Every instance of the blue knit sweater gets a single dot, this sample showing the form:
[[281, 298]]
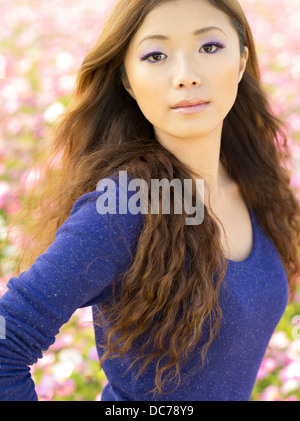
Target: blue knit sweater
[[89, 251]]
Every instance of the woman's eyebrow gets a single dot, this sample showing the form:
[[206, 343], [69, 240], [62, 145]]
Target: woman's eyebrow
[[198, 32], [207, 29]]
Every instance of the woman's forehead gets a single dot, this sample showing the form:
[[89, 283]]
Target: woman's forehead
[[180, 18]]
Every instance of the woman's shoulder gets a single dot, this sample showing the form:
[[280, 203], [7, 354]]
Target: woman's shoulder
[[108, 205]]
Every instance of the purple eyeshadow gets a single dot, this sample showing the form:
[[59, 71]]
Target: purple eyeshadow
[[150, 54]]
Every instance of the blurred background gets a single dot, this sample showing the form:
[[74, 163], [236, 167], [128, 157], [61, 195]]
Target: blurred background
[[42, 46]]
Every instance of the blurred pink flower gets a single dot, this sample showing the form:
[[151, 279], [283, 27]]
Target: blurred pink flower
[[268, 365], [3, 287], [280, 357], [2, 67], [293, 120], [69, 360], [293, 351], [64, 61], [65, 389], [92, 354], [279, 340], [31, 177], [271, 393], [295, 68], [53, 111], [4, 193], [13, 205], [290, 386], [292, 398], [290, 372], [47, 360], [45, 388], [84, 317], [65, 340], [98, 397], [297, 295], [295, 180]]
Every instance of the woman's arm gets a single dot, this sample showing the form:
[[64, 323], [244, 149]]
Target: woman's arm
[[88, 252]]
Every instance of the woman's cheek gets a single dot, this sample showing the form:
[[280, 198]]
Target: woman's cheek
[[227, 88]]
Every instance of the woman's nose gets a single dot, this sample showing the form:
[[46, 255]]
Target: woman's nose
[[185, 75]]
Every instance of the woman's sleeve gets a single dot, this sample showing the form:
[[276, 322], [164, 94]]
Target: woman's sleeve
[[88, 252]]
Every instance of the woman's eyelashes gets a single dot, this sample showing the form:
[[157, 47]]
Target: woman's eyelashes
[[212, 47], [153, 57], [208, 48]]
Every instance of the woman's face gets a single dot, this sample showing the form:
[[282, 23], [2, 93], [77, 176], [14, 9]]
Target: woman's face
[[185, 50]]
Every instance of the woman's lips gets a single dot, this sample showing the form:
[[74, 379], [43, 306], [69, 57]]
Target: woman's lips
[[191, 109]]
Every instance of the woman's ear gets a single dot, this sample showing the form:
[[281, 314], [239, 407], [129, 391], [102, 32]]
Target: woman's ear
[[243, 65]]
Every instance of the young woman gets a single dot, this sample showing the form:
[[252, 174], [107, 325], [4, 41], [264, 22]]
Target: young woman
[[182, 311]]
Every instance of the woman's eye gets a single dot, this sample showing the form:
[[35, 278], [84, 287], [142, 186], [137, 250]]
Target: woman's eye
[[212, 48], [153, 57], [157, 57]]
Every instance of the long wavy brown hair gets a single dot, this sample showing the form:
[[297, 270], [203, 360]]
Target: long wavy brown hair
[[104, 131]]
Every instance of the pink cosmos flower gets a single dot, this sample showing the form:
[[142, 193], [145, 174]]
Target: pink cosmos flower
[[294, 349], [279, 340], [92, 354], [31, 177], [98, 397], [4, 193], [84, 317], [63, 341], [45, 362], [271, 393], [290, 386], [290, 372], [3, 287], [46, 386], [267, 366], [66, 389], [292, 398]]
